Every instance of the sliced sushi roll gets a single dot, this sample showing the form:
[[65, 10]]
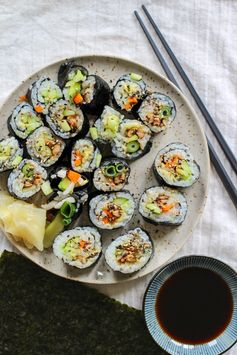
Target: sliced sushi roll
[[67, 180], [43, 93], [79, 247], [26, 180], [95, 94], [70, 78], [132, 141], [129, 91], [24, 120], [163, 205], [176, 166], [157, 111], [10, 153], [130, 252], [112, 175], [61, 213], [106, 127], [44, 146], [110, 211], [85, 156], [65, 119]]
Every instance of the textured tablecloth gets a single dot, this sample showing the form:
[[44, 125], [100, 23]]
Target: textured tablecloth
[[204, 36]]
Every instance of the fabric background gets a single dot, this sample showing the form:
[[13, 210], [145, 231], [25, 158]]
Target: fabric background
[[203, 34]]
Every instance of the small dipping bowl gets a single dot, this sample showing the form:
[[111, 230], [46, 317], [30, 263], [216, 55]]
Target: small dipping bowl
[[216, 346]]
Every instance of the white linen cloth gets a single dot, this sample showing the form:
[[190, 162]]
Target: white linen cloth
[[202, 33]]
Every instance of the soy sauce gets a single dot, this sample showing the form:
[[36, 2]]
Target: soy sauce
[[194, 306]]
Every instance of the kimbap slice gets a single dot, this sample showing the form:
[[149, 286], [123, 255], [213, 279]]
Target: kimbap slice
[[163, 205], [79, 247], [95, 93], [70, 78], [26, 180], [176, 166], [24, 120], [106, 127], [132, 141], [130, 252], [67, 180], [43, 93], [65, 119], [157, 111], [44, 146], [10, 153], [129, 91], [85, 156], [110, 211], [112, 175], [61, 213]]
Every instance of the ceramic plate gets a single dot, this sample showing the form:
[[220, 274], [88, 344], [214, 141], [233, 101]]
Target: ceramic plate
[[185, 128]]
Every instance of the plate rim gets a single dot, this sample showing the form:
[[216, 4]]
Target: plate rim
[[132, 277]]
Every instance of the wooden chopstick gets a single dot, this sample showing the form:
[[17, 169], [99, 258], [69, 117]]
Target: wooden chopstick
[[230, 188], [225, 147]]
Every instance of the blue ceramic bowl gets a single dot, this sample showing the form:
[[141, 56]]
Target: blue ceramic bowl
[[217, 346]]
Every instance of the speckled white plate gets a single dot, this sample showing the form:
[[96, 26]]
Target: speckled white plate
[[186, 128]]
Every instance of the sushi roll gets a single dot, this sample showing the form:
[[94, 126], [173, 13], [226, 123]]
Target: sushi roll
[[62, 210], [106, 127], [79, 247], [66, 180], [112, 175], [157, 111], [132, 141], [129, 91], [10, 153], [70, 78], [24, 120], [163, 205], [130, 252], [176, 166], [113, 210], [95, 94], [66, 120], [43, 93], [44, 146], [26, 180], [85, 156]]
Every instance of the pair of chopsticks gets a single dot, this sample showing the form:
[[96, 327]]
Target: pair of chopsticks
[[227, 182]]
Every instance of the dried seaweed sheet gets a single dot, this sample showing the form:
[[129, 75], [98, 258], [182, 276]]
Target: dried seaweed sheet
[[43, 314]]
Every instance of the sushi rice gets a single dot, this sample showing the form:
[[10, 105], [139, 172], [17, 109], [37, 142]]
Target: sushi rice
[[10, 153]]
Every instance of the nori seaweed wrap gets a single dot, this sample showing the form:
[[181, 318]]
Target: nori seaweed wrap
[[26, 180], [66, 120], [111, 210], [24, 120], [112, 175], [79, 247], [163, 205], [130, 252], [44, 146], [43, 93], [11, 153], [132, 141], [157, 111], [85, 156], [70, 77], [174, 165], [129, 91]]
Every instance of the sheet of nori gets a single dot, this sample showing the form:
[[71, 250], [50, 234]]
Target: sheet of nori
[[41, 313]]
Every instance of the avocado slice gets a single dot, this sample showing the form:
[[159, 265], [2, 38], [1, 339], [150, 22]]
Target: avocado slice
[[184, 170], [153, 208], [121, 201]]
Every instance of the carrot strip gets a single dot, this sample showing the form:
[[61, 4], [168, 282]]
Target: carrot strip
[[166, 208], [78, 98], [73, 176], [39, 108], [23, 98]]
